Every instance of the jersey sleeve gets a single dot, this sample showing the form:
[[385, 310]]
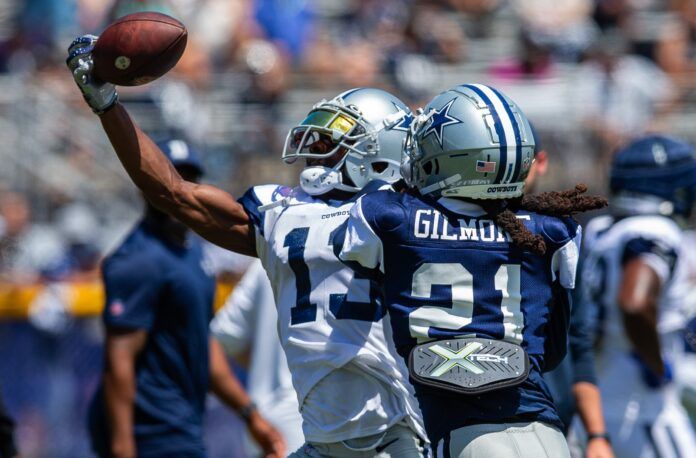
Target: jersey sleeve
[[563, 236], [232, 325], [581, 345], [133, 285], [357, 244], [556, 341], [658, 254], [260, 196]]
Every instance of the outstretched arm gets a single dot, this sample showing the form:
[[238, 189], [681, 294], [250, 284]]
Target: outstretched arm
[[210, 211]]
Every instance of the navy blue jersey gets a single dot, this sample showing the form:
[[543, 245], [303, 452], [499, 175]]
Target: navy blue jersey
[[448, 271], [578, 366], [161, 287]]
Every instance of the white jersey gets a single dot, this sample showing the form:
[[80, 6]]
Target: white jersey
[[248, 322], [350, 382], [685, 373], [631, 408]]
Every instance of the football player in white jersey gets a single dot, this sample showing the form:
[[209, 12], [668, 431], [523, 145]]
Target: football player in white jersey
[[353, 392], [685, 373], [247, 325], [629, 278]]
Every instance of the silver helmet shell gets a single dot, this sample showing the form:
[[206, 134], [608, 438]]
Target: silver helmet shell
[[470, 141], [370, 125]]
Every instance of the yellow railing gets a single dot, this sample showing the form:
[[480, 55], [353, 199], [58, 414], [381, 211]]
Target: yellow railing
[[82, 299]]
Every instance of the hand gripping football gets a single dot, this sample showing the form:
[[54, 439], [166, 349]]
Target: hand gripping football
[[138, 48]]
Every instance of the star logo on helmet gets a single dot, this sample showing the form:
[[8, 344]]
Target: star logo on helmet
[[439, 120], [405, 123]]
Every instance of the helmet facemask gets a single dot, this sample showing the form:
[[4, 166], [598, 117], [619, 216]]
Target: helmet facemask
[[337, 128]]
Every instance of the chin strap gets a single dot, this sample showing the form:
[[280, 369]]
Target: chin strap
[[317, 180]]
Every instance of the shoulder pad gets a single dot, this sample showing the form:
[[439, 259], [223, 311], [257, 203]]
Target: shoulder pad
[[559, 230], [260, 196], [383, 210]]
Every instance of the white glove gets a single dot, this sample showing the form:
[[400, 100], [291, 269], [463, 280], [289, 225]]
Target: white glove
[[100, 96]]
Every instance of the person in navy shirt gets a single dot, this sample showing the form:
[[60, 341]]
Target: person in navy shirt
[[573, 384], [476, 276], [159, 359]]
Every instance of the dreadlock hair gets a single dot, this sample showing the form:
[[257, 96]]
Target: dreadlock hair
[[552, 203]]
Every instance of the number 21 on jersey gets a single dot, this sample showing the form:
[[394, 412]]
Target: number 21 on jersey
[[506, 280]]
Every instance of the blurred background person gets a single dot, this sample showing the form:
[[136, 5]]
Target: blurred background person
[[573, 383], [159, 359], [8, 449], [632, 285], [623, 94], [246, 327]]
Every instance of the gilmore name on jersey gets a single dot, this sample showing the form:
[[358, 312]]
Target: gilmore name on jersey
[[329, 319], [448, 271]]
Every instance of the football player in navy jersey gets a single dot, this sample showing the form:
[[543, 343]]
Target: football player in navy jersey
[[476, 276]]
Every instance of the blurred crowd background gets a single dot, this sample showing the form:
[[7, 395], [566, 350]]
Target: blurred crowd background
[[589, 73]]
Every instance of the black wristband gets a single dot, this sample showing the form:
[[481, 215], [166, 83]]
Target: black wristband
[[604, 436], [246, 411]]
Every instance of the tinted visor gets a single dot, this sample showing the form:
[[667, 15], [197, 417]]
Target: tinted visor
[[330, 120], [320, 135]]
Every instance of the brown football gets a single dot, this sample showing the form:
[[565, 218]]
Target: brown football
[[138, 48]]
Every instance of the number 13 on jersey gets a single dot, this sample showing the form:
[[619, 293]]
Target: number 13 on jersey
[[305, 309]]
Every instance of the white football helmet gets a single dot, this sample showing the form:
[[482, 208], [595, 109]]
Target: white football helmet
[[367, 125]]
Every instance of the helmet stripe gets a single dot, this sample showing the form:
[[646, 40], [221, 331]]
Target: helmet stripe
[[499, 129], [511, 145], [518, 136]]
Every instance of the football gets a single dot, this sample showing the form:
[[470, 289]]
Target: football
[[138, 48]]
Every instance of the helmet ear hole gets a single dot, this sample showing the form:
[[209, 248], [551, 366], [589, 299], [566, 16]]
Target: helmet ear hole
[[379, 167], [428, 167]]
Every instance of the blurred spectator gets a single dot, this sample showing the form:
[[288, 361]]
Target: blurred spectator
[[360, 64], [267, 68], [620, 95], [26, 250], [79, 228], [670, 40], [288, 22], [436, 33], [609, 14], [475, 7], [9, 14], [532, 62], [565, 26]]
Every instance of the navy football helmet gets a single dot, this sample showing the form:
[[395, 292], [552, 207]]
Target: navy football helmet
[[654, 174]]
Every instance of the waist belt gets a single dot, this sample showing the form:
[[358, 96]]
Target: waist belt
[[469, 365]]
